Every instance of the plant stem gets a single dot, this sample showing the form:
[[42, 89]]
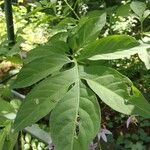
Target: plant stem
[[72, 9]]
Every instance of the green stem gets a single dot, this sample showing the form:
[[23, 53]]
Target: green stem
[[72, 9]]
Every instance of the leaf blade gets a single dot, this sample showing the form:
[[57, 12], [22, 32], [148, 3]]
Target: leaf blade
[[75, 104], [107, 45], [57, 47], [39, 69], [138, 8], [84, 35], [116, 47], [43, 98], [116, 91]]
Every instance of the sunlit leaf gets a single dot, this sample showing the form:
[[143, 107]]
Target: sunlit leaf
[[138, 8], [116, 91]]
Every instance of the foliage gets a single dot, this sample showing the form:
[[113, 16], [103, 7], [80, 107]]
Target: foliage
[[69, 77], [69, 86]]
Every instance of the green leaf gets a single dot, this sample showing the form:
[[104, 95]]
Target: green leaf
[[142, 51], [144, 55], [39, 69], [87, 32], [76, 116], [57, 47], [61, 36], [70, 91], [3, 121], [7, 140], [3, 134], [6, 110], [107, 45], [142, 107], [65, 24], [123, 10], [43, 98], [10, 141], [116, 91], [116, 47], [146, 14], [138, 8]]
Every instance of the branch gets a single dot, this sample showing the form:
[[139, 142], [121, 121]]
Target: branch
[[72, 9]]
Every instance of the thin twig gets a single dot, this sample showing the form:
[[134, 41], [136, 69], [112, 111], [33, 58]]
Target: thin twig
[[72, 9]]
